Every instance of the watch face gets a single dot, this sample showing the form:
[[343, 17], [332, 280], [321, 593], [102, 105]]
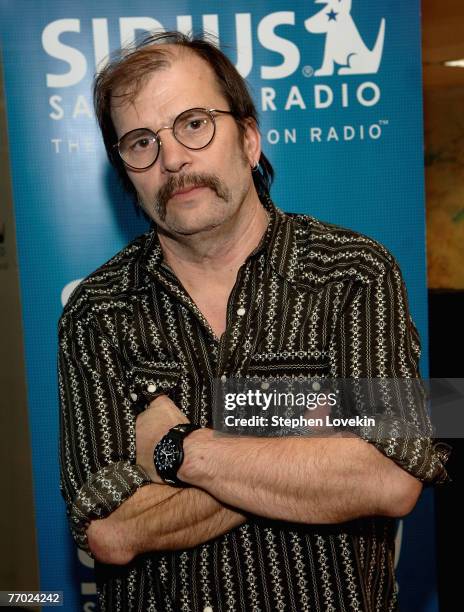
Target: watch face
[[167, 455]]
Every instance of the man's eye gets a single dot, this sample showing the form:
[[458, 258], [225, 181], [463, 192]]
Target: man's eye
[[141, 144], [196, 124]]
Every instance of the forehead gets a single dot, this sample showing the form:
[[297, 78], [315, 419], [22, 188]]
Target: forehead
[[184, 82]]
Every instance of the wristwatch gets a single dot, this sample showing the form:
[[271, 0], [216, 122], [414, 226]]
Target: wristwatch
[[169, 453]]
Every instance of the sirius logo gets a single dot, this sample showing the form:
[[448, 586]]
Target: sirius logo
[[343, 44]]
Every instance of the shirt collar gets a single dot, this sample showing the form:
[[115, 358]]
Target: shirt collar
[[279, 241]]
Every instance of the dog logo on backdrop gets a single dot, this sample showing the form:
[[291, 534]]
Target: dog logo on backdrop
[[344, 46]]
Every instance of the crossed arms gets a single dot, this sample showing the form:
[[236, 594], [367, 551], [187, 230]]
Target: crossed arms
[[308, 480]]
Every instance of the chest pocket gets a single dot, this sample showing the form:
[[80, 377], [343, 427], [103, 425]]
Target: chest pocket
[[151, 380], [287, 364]]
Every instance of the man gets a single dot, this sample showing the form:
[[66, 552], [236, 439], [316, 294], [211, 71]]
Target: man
[[225, 285]]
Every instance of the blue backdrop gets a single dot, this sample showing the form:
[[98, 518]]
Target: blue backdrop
[[347, 148]]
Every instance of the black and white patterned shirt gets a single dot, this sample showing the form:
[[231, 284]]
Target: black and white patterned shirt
[[312, 299]]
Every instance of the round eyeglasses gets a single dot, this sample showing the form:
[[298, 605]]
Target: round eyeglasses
[[194, 129]]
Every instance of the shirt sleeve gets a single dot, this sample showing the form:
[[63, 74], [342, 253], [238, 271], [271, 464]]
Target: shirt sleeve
[[97, 424], [376, 340]]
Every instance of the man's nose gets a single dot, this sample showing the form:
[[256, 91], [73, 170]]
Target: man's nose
[[173, 155]]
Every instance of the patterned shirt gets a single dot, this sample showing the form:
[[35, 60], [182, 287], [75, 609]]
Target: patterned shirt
[[314, 299]]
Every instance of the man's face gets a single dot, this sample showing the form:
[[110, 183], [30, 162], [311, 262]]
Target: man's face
[[220, 173]]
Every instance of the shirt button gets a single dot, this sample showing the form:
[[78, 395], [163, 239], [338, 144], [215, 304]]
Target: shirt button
[[316, 386], [265, 385], [241, 311], [223, 378], [133, 397], [151, 388]]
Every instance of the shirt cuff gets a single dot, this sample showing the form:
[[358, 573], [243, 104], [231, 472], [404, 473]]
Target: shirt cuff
[[105, 491], [403, 443]]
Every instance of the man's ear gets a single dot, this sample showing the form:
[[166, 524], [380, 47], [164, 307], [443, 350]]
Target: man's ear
[[251, 141]]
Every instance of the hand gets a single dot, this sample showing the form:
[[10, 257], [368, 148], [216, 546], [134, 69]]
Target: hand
[[320, 411], [150, 426]]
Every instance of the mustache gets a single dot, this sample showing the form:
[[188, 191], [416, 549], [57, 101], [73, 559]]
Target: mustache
[[186, 181]]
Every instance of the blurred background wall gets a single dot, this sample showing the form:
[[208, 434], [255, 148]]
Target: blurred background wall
[[18, 565], [443, 60]]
